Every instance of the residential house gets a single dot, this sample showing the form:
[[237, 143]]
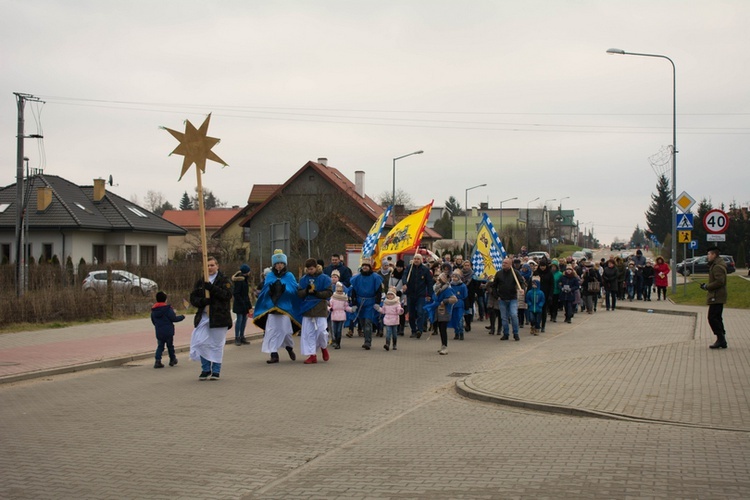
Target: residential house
[[189, 244], [82, 222], [233, 231], [318, 201]]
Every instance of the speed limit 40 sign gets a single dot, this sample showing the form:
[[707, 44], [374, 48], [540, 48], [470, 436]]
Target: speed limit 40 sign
[[715, 221]]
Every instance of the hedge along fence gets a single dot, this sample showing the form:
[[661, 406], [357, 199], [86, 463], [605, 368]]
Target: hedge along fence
[[55, 293]]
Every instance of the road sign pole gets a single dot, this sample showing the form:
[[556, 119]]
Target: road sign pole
[[684, 278]]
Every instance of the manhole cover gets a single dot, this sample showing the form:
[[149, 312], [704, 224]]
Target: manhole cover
[[459, 374]]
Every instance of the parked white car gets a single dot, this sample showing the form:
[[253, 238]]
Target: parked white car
[[122, 281]]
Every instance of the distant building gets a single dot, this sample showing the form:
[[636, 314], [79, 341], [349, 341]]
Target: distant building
[[82, 222], [189, 244]]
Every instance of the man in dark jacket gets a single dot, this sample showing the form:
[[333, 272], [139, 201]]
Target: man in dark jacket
[[345, 274], [717, 296], [504, 288], [546, 285], [418, 285], [241, 306], [209, 335], [163, 317]]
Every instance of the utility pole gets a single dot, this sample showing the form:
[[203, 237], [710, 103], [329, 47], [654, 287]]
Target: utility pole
[[20, 250]]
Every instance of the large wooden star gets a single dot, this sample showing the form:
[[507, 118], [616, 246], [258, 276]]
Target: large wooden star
[[195, 146]]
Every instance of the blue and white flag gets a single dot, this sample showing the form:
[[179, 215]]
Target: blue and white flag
[[488, 254], [371, 240]]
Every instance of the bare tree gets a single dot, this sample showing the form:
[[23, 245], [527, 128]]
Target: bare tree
[[402, 198]]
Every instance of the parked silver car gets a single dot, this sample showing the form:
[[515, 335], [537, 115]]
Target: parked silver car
[[122, 281]]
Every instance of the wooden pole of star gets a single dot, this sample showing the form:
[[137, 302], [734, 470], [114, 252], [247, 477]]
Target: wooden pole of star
[[195, 146], [202, 217]]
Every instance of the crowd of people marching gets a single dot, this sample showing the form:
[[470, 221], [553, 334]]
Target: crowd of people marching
[[432, 297]]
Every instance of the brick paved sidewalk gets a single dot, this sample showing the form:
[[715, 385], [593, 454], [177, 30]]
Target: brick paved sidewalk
[[31, 354], [655, 367]]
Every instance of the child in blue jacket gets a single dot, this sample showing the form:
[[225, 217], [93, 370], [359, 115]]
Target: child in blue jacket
[[535, 304], [163, 317]]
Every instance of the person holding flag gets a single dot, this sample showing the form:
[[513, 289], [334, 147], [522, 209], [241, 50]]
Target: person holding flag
[[417, 280]]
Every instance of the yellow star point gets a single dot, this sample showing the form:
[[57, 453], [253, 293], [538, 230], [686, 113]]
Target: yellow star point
[[195, 146]]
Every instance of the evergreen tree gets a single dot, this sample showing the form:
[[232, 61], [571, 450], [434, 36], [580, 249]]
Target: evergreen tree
[[185, 203], [659, 214], [453, 206], [639, 236], [444, 226]]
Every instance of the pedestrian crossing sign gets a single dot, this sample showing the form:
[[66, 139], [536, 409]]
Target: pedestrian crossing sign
[[684, 236], [684, 222]]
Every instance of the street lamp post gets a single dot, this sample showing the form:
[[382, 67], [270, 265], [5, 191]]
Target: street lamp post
[[674, 155], [527, 222], [393, 195], [546, 224], [501, 215], [466, 217]]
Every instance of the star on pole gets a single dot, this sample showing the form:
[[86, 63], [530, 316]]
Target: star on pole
[[195, 146]]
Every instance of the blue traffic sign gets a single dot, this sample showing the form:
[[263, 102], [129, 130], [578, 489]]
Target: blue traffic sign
[[693, 245], [684, 222]]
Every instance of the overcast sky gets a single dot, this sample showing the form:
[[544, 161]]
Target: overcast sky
[[520, 95]]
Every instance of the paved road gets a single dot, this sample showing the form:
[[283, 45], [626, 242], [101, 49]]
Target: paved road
[[391, 424]]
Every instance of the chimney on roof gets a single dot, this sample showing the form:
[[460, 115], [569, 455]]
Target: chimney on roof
[[99, 189], [359, 182], [323, 161], [43, 198]]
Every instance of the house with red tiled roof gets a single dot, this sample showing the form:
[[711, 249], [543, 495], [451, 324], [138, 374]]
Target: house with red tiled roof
[[189, 244], [318, 200]]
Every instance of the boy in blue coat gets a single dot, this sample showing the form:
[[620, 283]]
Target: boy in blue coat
[[535, 305], [457, 316], [163, 317]]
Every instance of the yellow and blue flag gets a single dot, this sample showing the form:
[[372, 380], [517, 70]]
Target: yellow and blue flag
[[407, 234], [371, 240], [489, 252]]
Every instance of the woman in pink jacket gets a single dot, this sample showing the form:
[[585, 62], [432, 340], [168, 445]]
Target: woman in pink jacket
[[391, 310], [661, 273]]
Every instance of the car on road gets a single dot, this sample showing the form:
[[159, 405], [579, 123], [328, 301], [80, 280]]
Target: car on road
[[538, 255], [700, 265], [122, 281]]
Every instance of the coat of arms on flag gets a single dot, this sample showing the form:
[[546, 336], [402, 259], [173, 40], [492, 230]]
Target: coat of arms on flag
[[371, 240], [489, 252], [407, 234]]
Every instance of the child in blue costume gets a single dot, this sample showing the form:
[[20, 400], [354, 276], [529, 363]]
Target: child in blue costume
[[276, 310], [457, 316], [314, 290], [535, 302], [365, 292]]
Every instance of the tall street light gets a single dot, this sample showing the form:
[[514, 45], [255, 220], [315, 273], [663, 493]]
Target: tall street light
[[393, 196], [559, 219], [501, 215], [466, 218], [546, 223], [527, 222], [674, 155]]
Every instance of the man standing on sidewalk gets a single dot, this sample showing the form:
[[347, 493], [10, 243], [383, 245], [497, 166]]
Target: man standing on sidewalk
[[717, 296]]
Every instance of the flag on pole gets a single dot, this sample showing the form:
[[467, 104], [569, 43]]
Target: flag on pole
[[489, 252], [407, 234], [371, 240]]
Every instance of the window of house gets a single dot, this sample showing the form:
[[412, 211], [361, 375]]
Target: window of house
[[245, 234], [148, 255], [99, 254], [4, 207], [280, 237], [137, 212], [47, 251], [5, 253]]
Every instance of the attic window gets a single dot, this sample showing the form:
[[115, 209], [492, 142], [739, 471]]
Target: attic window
[[82, 207], [4, 207], [138, 212]]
